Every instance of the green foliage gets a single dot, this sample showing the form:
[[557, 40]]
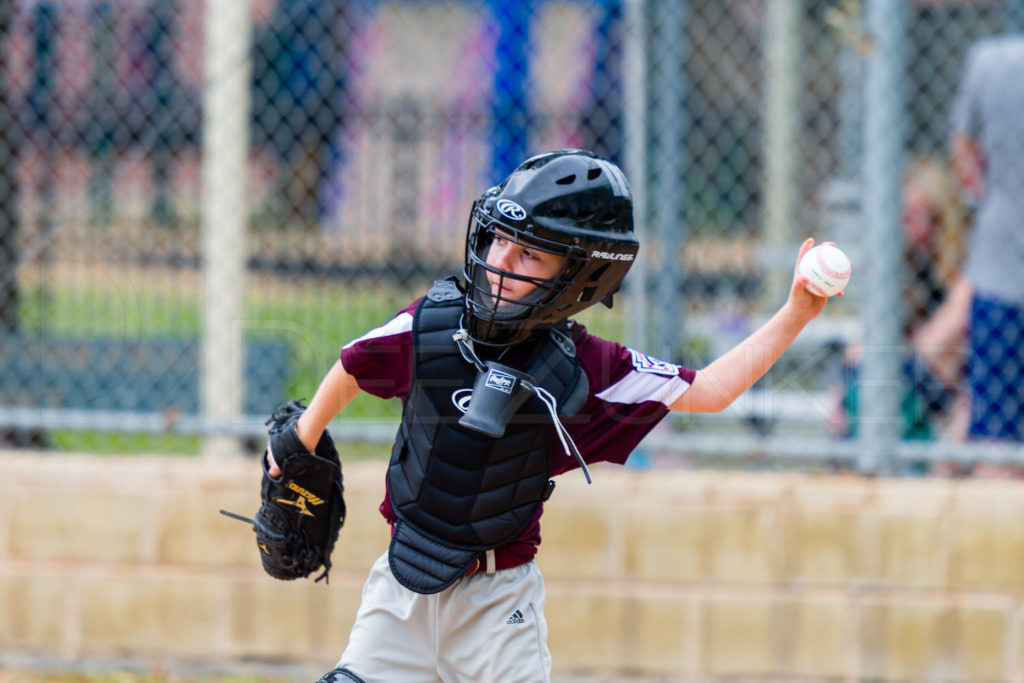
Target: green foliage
[[123, 442], [314, 319]]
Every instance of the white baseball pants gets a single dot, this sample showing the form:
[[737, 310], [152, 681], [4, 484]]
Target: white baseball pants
[[485, 627]]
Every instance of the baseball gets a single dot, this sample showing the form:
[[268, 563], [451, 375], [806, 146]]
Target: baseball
[[826, 268]]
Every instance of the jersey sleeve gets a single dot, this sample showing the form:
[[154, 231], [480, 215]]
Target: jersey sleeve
[[630, 393], [381, 359]]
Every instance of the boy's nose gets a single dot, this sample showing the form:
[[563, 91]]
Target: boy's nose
[[500, 258]]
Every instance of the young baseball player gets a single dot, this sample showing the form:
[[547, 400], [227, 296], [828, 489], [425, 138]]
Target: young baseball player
[[502, 391]]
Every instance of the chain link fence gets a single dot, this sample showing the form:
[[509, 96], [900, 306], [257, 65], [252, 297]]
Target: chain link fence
[[201, 202]]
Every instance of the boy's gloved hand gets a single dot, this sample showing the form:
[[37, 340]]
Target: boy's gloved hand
[[303, 506]]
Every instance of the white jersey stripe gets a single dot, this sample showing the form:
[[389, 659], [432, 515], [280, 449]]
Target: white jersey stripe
[[397, 325], [638, 387]]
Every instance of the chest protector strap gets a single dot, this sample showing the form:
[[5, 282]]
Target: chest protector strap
[[458, 492]]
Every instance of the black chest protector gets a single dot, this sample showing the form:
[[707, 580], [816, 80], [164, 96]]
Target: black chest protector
[[458, 492]]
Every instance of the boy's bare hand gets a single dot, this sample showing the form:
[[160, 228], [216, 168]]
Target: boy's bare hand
[[272, 469], [801, 302]]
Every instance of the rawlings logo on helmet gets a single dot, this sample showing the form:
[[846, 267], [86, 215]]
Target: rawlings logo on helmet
[[510, 209], [611, 256]]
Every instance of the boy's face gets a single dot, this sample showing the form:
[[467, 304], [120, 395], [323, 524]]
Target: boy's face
[[519, 259]]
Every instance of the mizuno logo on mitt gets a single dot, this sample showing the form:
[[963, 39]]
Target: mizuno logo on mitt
[[301, 501]]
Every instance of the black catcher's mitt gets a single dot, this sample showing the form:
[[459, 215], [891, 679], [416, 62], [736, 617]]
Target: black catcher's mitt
[[304, 509]]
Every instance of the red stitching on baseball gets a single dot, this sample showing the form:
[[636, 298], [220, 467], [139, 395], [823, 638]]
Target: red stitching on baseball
[[817, 290], [827, 270]]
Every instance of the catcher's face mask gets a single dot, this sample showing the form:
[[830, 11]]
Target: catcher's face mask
[[512, 275]]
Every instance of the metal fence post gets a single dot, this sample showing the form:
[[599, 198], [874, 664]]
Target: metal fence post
[[881, 269], [224, 211], [781, 145], [635, 160], [669, 126]]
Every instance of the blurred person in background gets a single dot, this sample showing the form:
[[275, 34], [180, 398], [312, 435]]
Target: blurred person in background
[[933, 223], [936, 294], [988, 157]]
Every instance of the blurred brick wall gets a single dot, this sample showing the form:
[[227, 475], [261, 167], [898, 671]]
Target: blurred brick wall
[[674, 574]]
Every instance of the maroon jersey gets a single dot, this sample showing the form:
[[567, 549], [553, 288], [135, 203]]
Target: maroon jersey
[[629, 394]]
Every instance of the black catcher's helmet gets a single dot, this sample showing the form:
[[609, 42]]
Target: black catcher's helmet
[[571, 203]]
